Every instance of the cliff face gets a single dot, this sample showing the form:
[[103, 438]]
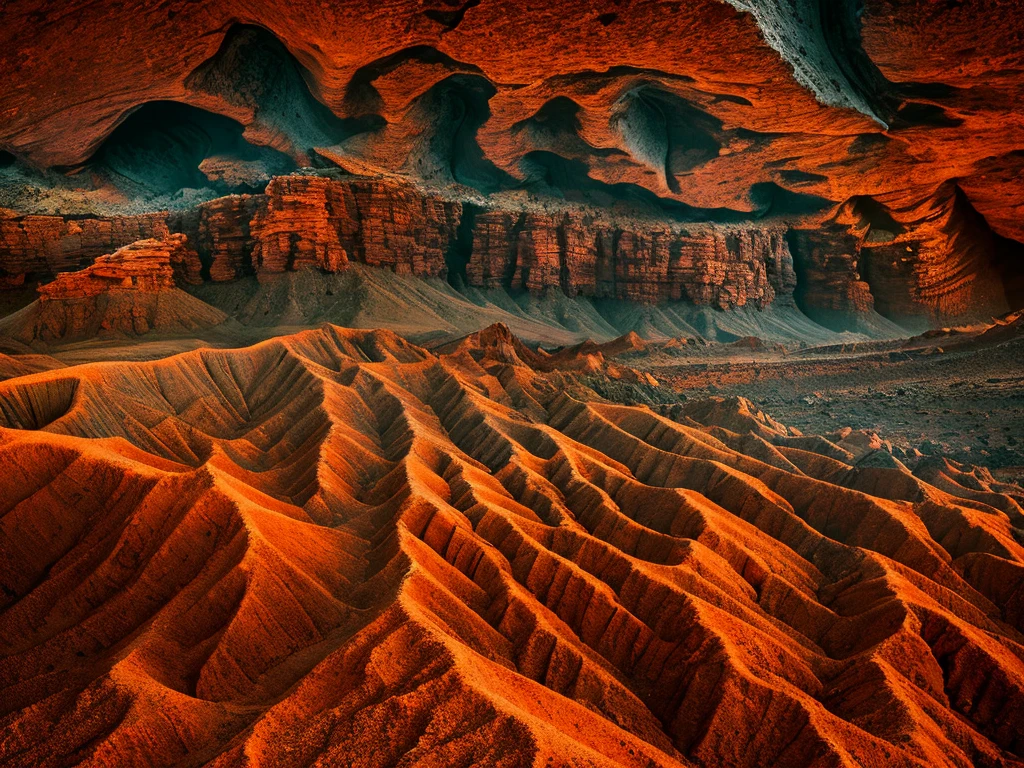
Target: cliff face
[[939, 265], [132, 291], [45, 245], [755, 115], [144, 266], [308, 221], [706, 265], [926, 264]]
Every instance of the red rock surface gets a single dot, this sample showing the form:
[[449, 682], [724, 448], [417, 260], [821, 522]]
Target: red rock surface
[[144, 266], [938, 267], [305, 221], [699, 52], [45, 245], [132, 291], [299, 226], [705, 264], [337, 547], [779, 113], [222, 229]]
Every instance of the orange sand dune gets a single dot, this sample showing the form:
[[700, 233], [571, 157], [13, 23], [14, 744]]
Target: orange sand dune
[[336, 548]]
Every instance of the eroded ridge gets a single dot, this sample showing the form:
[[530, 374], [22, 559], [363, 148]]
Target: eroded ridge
[[339, 548]]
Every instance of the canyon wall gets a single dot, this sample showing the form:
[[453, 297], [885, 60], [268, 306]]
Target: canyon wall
[[584, 256], [879, 144], [839, 271], [42, 246]]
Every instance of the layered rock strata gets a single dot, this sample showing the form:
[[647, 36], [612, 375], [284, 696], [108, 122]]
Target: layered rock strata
[[934, 264], [583, 256], [919, 266], [131, 291], [42, 246], [309, 221], [145, 266]]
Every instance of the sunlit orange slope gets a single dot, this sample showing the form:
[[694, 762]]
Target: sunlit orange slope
[[336, 548]]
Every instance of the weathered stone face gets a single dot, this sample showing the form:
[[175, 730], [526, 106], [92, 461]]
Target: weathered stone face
[[839, 273], [760, 117], [145, 266], [46, 245]]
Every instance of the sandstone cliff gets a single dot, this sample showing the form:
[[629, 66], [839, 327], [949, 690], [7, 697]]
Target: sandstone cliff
[[132, 291], [937, 263], [42, 246]]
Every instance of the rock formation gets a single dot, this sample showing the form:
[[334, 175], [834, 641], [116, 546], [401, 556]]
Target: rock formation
[[835, 120], [842, 272], [706, 265], [132, 291], [146, 266], [337, 547], [41, 246]]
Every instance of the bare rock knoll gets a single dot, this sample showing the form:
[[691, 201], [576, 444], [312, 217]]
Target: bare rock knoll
[[132, 291], [339, 548]]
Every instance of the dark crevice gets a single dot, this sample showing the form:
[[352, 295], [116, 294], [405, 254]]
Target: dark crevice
[[556, 126], [454, 110], [254, 70], [161, 145], [513, 260], [563, 262], [557, 116], [773, 200], [187, 223], [460, 249], [796, 176], [801, 262], [729, 98], [841, 27], [547, 173], [593, 77], [913, 114], [1009, 261], [881, 224], [451, 19], [666, 132]]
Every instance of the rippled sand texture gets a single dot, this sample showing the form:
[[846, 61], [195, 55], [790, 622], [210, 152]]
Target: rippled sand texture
[[337, 548]]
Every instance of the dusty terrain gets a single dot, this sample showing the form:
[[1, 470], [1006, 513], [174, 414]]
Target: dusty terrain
[[339, 547], [943, 394]]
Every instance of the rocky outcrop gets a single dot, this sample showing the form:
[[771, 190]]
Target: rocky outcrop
[[220, 231], [131, 291], [300, 225], [648, 263], [42, 246], [309, 221], [144, 266], [941, 266], [924, 265], [829, 288], [402, 228]]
